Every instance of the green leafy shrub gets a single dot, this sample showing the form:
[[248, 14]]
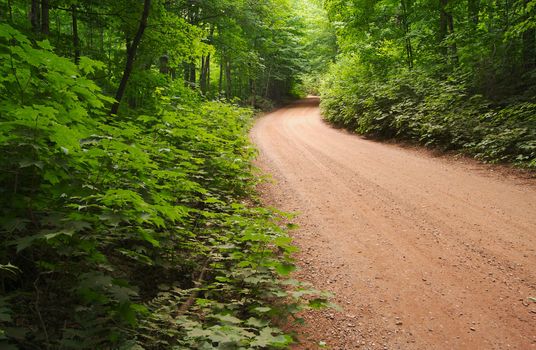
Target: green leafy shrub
[[440, 113], [131, 232]]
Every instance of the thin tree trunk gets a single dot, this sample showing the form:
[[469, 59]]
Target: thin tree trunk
[[76, 39], [204, 79], [443, 26], [529, 43], [192, 77], [45, 17], [10, 11], [406, 25], [453, 47], [186, 74], [131, 56], [446, 27], [506, 15], [529, 50], [58, 29], [267, 91], [34, 15], [208, 74], [252, 91], [202, 75], [473, 9], [164, 64], [220, 83], [91, 28], [228, 85], [102, 40]]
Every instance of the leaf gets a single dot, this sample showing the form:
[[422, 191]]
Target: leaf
[[127, 313], [11, 269], [284, 269], [141, 258], [14, 224], [318, 303], [27, 241], [263, 309], [45, 44], [255, 322], [53, 235], [199, 333], [131, 345], [88, 66], [266, 338], [147, 236], [228, 319], [29, 162]]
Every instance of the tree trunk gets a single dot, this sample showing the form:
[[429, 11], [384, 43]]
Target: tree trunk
[[228, 82], [220, 83], [208, 74], [58, 29], [45, 17], [34, 15], [164, 64], [473, 9], [529, 50], [529, 41], [186, 73], [76, 39], [268, 77], [204, 79], [252, 91], [102, 51], [131, 56], [443, 27], [192, 75], [406, 26], [10, 11], [446, 27], [453, 48], [202, 75]]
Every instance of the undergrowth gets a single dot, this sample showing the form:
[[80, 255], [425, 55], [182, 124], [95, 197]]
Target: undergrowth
[[132, 231], [445, 114]]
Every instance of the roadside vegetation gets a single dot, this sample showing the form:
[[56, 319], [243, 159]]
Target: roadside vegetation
[[128, 213], [451, 75], [128, 216]]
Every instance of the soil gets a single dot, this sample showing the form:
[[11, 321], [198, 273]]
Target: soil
[[420, 251]]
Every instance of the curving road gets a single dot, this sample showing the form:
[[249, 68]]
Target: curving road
[[422, 252]]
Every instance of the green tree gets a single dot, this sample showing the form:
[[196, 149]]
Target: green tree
[[457, 75]]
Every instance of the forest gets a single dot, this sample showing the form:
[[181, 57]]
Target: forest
[[129, 215], [454, 75]]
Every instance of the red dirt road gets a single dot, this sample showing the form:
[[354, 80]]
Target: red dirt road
[[421, 252]]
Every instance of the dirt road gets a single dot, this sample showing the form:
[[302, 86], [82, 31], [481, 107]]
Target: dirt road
[[422, 252]]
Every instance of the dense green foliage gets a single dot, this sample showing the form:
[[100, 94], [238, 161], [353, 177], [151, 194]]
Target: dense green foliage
[[137, 227], [128, 214], [453, 74], [226, 48], [318, 42]]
